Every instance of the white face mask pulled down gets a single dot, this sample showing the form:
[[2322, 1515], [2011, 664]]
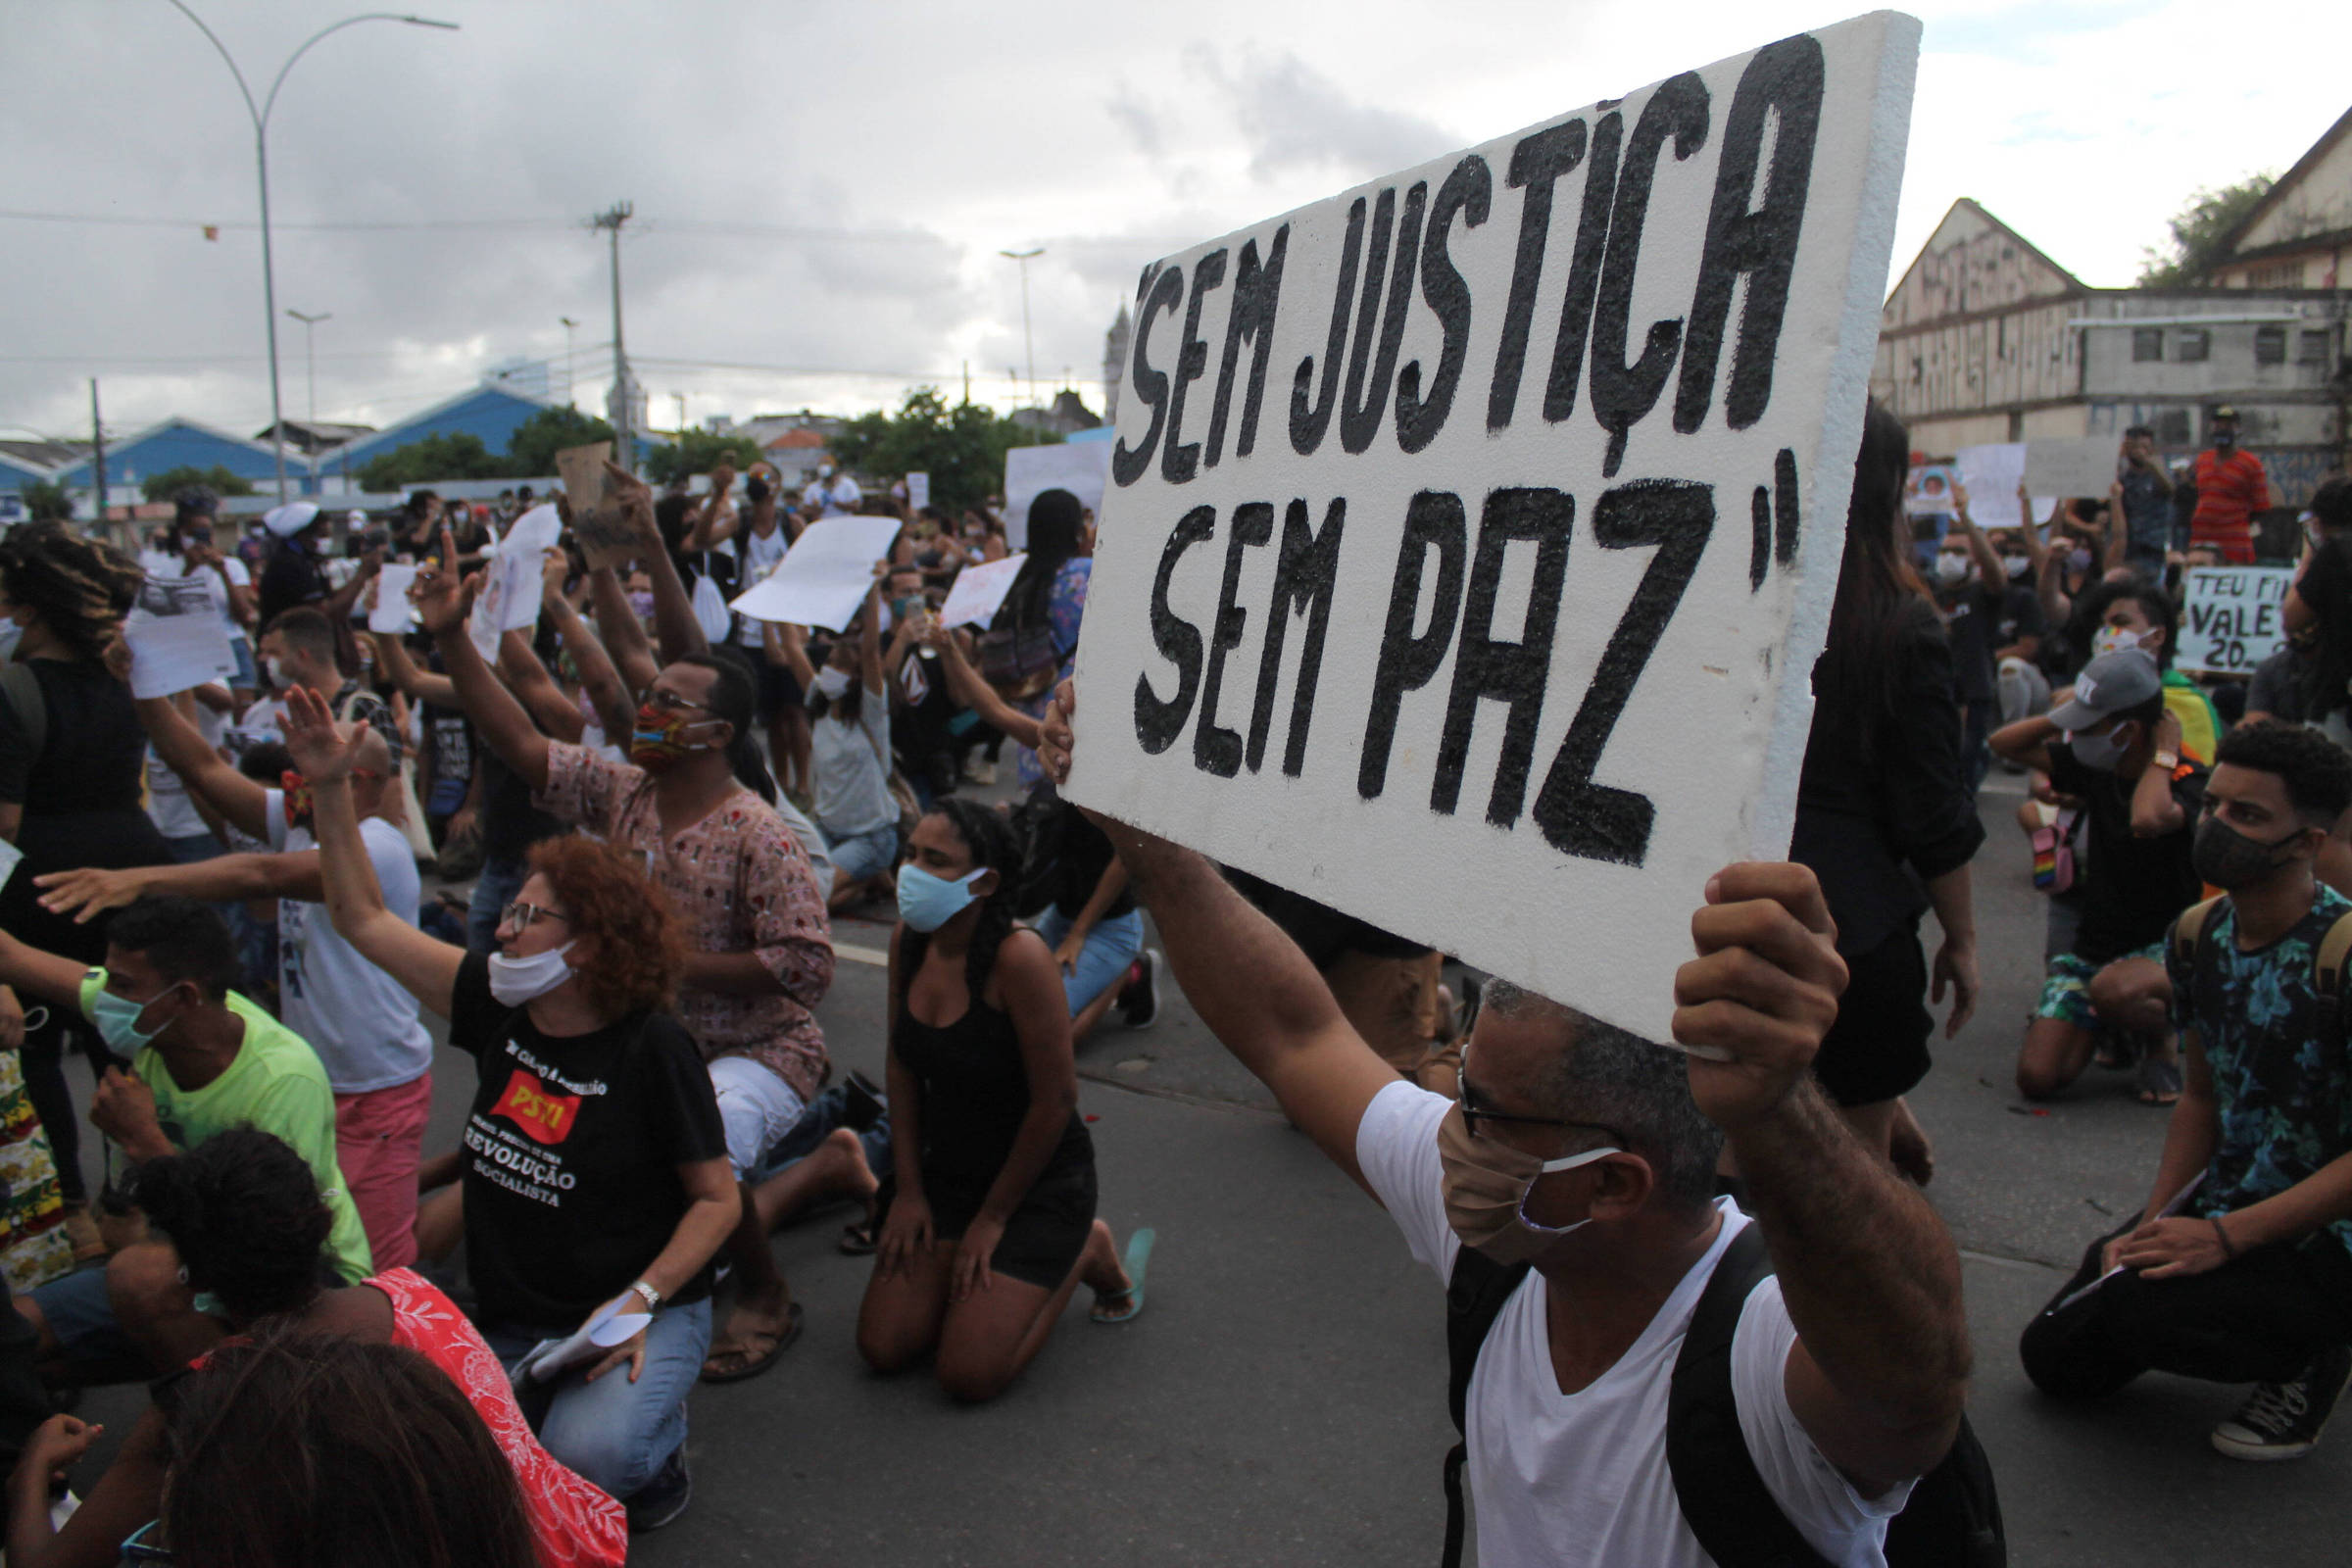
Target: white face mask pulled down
[[515, 981]]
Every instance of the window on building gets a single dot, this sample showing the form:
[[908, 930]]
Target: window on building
[[2171, 427], [2194, 344], [2313, 349], [2270, 345], [2148, 344]]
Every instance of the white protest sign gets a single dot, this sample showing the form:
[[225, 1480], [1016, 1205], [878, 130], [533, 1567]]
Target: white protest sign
[[918, 490], [1082, 468], [508, 596], [2071, 468], [177, 641], [824, 576], [392, 610], [2230, 619], [1471, 534], [1993, 474], [980, 591]]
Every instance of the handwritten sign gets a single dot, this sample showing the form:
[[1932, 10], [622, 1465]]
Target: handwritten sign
[[2071, 468], [2230, 619], [1471, 534], [918, 490], [824, 576], [1992, 473], [980, 591], [177, 641]]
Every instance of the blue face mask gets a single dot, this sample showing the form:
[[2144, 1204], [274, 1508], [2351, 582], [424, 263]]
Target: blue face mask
[[117, 1020], [926, 901]]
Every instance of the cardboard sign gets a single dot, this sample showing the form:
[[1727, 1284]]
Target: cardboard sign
[[980, 591], [582, 470], [2068, 469], [1082, 468], [2230, 619], [824, 576], [605, 535], [918, 490], [1471, 534], [1993, 474], [177, 641]]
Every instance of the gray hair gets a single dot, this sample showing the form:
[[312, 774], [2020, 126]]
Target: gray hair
[[1643, 1089]]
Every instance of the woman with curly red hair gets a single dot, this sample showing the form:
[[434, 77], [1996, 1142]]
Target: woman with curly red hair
[[596, 1176]]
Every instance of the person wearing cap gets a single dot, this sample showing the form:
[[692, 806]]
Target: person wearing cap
[[2232, 490], [2113, 745], [833, 494], [294, 576]]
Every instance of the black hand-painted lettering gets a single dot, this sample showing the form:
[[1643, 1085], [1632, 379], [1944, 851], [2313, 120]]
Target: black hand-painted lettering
[[1468, 191], [1759, 545], [1180, 459], [1784, 80], [1578, 817], [1537, 163], [1363, 405], [1157, 723], [1308, 420], [1507, 673], [1584, 269], [1623, 392], [1257, 290], [1167, 292], [1216, 749], [1304, 575], [1784, 502], [1433, 521]]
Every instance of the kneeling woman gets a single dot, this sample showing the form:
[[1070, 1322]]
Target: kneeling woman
[[989, 1213], [596, 1171]]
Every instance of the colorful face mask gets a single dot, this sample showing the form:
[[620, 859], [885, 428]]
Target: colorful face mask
[[298, 797], [660, 740]]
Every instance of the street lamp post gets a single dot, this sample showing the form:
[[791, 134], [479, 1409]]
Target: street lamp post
[[310, 358], [1028, 342], [260, 156]]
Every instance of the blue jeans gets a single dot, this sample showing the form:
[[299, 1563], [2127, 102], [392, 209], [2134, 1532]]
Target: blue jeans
[[615, 1433], [824, 1113], [496, 888], [1111, 947], [863, 857]]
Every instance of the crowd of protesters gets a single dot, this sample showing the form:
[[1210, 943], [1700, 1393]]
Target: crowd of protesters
[[662, 806]]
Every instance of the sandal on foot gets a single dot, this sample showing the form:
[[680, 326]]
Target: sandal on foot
[[750, 1363], [860, 1236], [1139, 1259], [2159, 1082]]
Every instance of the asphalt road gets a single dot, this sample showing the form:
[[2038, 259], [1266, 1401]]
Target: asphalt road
[[1281, 1399]]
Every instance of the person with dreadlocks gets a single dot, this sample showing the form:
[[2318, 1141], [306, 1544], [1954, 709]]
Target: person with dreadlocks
[[759, 944], [72, 758], [988, 1215]]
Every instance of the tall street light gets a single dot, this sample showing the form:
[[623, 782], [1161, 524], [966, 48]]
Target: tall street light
[[310, 356], [1028, 342], [261, 155]]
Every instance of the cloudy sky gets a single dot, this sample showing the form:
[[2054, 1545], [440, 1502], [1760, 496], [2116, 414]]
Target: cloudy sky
[[823, 187]]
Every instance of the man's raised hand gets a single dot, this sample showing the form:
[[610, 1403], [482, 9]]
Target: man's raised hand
[[323, 754], [437, 592], [1754, 1006]]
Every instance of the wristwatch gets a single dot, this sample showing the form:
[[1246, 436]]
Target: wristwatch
[[652, 1297], [2167, 760]]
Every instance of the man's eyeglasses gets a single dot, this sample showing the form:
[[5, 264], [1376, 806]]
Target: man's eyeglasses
[[1472, 1115], [668, 701], [522, 916]]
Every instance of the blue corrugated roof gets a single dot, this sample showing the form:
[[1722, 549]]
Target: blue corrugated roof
[[172, 444], [491, 412]]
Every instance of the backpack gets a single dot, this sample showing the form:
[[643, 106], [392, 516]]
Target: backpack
[[2329, 958], [1953, 1520]]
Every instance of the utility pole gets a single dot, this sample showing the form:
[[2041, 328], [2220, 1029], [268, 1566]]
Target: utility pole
[[569, 324], [98, 456], [310, 356], [1029, 342], [968, 380], [623, 437]]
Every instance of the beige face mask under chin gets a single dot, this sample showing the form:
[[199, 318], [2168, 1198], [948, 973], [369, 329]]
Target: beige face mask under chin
[[1486, 1188]]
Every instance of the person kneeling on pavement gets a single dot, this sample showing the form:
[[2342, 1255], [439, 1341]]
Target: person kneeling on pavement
[[1583, 1159], [2239, 1267], [2112, 746]]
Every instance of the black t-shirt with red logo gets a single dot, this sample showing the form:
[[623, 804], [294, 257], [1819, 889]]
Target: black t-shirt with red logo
[[573, 1149]]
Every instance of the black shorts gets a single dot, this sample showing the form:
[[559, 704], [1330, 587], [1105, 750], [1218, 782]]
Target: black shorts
[[1877, 1048], [778, 691]]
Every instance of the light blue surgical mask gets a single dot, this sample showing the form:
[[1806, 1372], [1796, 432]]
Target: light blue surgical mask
[[117, 1020], [927, 902]]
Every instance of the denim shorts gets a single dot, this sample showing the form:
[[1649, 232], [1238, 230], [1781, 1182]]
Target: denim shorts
[[863, 857]]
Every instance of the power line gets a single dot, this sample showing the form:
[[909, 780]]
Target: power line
[[700, 228]]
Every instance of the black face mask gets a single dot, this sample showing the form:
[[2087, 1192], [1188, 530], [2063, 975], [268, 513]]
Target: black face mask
[[2229, 860]]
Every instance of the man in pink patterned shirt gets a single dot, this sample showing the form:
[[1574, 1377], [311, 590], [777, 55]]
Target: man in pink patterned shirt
[[761, 947]]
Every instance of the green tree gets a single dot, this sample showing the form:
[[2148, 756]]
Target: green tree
[[961, 447], [531, 450], [217, 478], [2197, 230], [47, 503], [449, 455], [699, 451]]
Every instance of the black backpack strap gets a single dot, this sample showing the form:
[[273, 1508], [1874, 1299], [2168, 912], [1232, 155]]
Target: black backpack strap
[[1475, 1293], [1723, 1497]]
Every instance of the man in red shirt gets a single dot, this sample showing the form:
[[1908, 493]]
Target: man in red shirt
[[2230, 490]]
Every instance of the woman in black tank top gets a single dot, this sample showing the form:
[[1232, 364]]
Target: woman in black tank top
[[988, 1217]]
